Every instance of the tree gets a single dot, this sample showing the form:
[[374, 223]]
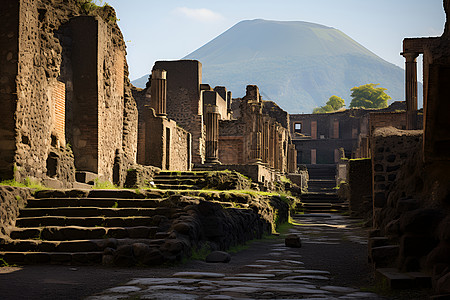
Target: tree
[[336, 102], [369, 96], [333, 104]]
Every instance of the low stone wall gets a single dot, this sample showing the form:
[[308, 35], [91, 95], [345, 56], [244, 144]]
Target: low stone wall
[[12, 199], [300, 179], [360, 185]]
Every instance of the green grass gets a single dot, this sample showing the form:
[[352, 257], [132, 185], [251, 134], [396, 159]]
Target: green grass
[[200, 253], [26, 184], [103, 185]]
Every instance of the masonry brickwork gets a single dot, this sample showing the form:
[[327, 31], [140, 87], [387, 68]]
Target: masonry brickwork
[[75, 91]]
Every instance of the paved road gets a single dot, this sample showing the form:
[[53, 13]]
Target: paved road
[[332, 264]]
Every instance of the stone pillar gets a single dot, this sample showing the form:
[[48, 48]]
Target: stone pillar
[[229, 101], [411, 90], [158, 91], [212, 134]]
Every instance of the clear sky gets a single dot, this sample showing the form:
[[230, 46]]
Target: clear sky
[[171, 29]]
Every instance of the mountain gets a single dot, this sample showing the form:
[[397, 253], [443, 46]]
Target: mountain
[[299, 65]]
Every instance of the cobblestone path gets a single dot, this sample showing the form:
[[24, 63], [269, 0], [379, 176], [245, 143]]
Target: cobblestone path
[[268, 270]]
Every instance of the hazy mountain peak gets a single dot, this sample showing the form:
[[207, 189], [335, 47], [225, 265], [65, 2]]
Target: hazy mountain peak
[[297, 64]]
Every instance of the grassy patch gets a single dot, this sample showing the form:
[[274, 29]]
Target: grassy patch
[[26, 184], [103, 185], [200, 253]]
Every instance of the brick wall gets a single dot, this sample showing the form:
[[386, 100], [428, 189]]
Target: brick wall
[[59, 102]]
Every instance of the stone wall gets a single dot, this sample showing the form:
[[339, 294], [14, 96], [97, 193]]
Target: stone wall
[[213, 98], [12, 199], [67, 78], [164, 144], [184, 103], [390, 149], [342, 129], [273, 110], [9, 22], [415, 215], [360, 185], [230, 150]]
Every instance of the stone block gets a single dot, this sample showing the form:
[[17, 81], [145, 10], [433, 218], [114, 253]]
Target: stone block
[[52, 183], [384, 256], [86, 177], [394, 278], [293, 241], [218, 257]]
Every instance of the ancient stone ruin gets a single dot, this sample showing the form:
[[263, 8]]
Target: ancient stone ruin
[[66, 92], [71, 117]]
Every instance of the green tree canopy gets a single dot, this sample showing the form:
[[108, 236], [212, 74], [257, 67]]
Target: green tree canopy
[[336, 102], [333, 104], [369, 96]]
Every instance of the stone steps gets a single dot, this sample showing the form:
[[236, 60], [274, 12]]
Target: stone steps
[[167, 180], [94, 211], [93, 202], [64, 233], [176, 181], [403, 280], [85, 221], [176, 187], [85, 245], [77, 226], [323, 202]]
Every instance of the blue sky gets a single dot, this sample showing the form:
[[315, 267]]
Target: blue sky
[[171, 29]]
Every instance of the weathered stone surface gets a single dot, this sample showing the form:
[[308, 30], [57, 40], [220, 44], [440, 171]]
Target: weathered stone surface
[[218, 257], [198, 275], [293, 241], [123, 256], [11, 201]]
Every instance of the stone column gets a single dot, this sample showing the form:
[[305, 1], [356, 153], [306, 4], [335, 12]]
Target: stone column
[[212, 134], [411, 90], [158, 91]]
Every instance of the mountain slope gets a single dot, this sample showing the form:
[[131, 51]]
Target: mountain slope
[[297, 64]]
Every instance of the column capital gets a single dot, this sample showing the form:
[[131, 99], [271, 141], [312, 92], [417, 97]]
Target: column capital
[[410, 56]]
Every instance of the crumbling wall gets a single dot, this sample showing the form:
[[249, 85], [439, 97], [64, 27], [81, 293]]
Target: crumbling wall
[[416, 215], [42, 89], [273, 110], [390, 149], [12, 199]]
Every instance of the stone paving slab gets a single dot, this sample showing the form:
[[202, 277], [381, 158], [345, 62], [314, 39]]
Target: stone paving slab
[[263, 277]]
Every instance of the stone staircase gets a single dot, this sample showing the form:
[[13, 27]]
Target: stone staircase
[[321, 196], [56, 228], [170, 180]]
